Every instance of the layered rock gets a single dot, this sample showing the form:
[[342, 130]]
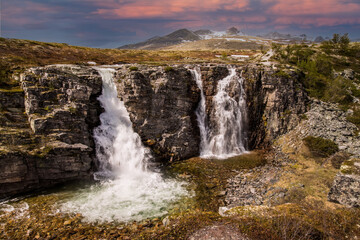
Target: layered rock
[[276, 101], [162, 103], [56, 114]]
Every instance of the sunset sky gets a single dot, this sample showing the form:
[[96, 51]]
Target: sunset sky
[[111, 23]]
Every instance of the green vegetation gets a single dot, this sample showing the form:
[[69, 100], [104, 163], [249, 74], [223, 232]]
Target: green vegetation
[[133, 68], [210, 176], [355, 117], [320, 146], [338, 159], [168, 69], [318, 64]]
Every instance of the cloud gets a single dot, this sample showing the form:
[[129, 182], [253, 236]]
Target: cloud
[[316, 13], [165, 8], [106, 22]]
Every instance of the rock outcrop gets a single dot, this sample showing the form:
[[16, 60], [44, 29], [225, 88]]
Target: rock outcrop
[[162, 103], [276, 101], [50, 124], [346, 187]]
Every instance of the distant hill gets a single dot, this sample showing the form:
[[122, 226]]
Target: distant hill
[[319, 39], [173, 38], [276, 35], [203, 32], [183, 36]]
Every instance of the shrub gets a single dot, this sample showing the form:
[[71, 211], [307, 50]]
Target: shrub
[[4, 75], [320, 146], [133, 68], [168, 69], [338, 159], [354, 118]]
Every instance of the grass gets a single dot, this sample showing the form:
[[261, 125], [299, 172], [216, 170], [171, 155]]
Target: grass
[[321, 147], [209, 176]]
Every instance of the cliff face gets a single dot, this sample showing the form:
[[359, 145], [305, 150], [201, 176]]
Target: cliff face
[[276, 101], [47, 126], [162, 103], [50, 126]]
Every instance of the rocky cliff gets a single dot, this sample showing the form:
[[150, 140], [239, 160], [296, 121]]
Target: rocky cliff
[[47, 128], [162, 103], [275, 100], [47, 125]]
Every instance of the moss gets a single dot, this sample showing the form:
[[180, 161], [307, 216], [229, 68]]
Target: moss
[[73, 110], [348, 167], [355, 117], [282, 74], [43, 152], [133, 68], [12, 90], [209, 176], [338, 159], [168, 69], [320, 146], [304, 117]]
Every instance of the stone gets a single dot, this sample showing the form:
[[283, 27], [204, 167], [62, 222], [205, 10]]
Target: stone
[[346, 187]]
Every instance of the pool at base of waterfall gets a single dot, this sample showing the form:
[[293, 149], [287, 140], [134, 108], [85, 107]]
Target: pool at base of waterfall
[[126, 199]]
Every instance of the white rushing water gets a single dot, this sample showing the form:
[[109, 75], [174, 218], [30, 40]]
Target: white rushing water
[[227, 137], [127, 190], [201, 110]]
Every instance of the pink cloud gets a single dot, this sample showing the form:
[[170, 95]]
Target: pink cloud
[[309, 13], [316, 7], [165, 8]]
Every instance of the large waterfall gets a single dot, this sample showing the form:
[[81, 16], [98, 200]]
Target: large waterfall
[[225, 137], [127, 190]]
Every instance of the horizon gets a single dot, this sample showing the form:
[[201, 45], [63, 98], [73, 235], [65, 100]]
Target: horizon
[[113, 23]]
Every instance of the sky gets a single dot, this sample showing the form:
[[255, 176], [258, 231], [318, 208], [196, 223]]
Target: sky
[[112, 23]]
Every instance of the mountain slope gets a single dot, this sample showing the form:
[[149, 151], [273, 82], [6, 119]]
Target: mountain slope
[[168, 40]]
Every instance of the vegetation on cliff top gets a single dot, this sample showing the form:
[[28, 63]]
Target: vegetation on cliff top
[[331, 70]]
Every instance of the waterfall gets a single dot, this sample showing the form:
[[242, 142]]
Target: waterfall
[[225, 137], [119, 149], [127, 189], [201, 110]]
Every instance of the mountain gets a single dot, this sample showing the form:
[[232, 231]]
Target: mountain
[[276, 35], [173, 38], [203, 32], [319, 39], [233, 31]]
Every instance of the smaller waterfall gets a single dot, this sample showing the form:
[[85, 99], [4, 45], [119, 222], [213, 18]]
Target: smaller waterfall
[[226, 136], [127, 190], [201, 110]]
